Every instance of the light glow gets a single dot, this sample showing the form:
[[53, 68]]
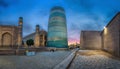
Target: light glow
[[104, 27]]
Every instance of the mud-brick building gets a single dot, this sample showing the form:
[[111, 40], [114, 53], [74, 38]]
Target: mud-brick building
[[39, 37], [111, 36], [11, 35], [90, 40], [107, 40]]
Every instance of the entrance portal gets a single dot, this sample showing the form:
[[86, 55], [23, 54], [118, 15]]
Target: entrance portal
[[7, 39]]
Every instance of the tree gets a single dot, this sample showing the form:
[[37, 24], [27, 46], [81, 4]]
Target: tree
[[30, 42]]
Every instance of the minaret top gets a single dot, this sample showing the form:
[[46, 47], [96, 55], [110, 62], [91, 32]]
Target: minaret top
[[57, 8], [37, 28], [20, 18]]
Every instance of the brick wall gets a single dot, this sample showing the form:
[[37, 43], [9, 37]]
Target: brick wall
[[90, 40], [12, 30], [111, 36]]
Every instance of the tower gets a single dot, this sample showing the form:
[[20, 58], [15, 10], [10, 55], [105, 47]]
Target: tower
[[20, 26], [37, 37], [57, 29]]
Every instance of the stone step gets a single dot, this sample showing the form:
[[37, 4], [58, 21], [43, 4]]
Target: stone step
[[7, 52]]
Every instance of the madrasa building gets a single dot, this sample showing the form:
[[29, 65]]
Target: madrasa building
[[39, 37], [11, 36]]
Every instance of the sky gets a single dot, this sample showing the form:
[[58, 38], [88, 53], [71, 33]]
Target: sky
[[80, 14]]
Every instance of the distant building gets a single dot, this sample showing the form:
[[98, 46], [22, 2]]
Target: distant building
[[39, 37], [11, 35], [77, 45], [29, 36], [57, 28], [90, 40]]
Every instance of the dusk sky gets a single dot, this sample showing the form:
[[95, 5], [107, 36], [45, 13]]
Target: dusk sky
[[80, 14]]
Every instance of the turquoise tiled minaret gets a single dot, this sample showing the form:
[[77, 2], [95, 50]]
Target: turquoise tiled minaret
[[57, 28]]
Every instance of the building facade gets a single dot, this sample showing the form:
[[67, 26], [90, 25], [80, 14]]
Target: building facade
[[11, 35], [111, 36], [90, 40], [39, 37], [57, 28]]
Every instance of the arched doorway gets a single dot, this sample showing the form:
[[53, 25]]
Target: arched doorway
[[6, 39]]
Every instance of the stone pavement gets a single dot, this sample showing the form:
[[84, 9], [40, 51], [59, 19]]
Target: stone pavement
[[66, 62], [42, 60], [94, 59]]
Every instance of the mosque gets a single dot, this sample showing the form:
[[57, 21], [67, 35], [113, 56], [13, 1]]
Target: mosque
[[11, 35]]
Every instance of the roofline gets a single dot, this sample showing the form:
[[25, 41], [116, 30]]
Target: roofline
[[111, 21], [33, 33], [90, 31], [28, 35], [9, 25], [57, 7]]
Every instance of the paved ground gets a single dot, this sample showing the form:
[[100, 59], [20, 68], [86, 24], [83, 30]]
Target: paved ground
[[42, 60], [86, 59]]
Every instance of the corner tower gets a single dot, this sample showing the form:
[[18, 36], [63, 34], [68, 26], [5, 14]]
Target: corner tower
[[20, 27], [57, 28]]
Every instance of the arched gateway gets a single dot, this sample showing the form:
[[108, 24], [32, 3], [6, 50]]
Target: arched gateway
[[7, 39], [11, 36]]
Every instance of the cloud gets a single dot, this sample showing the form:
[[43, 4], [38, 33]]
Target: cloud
[[80, 5], [83, 21], [80, 14], [3, 3], [27, 28]]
